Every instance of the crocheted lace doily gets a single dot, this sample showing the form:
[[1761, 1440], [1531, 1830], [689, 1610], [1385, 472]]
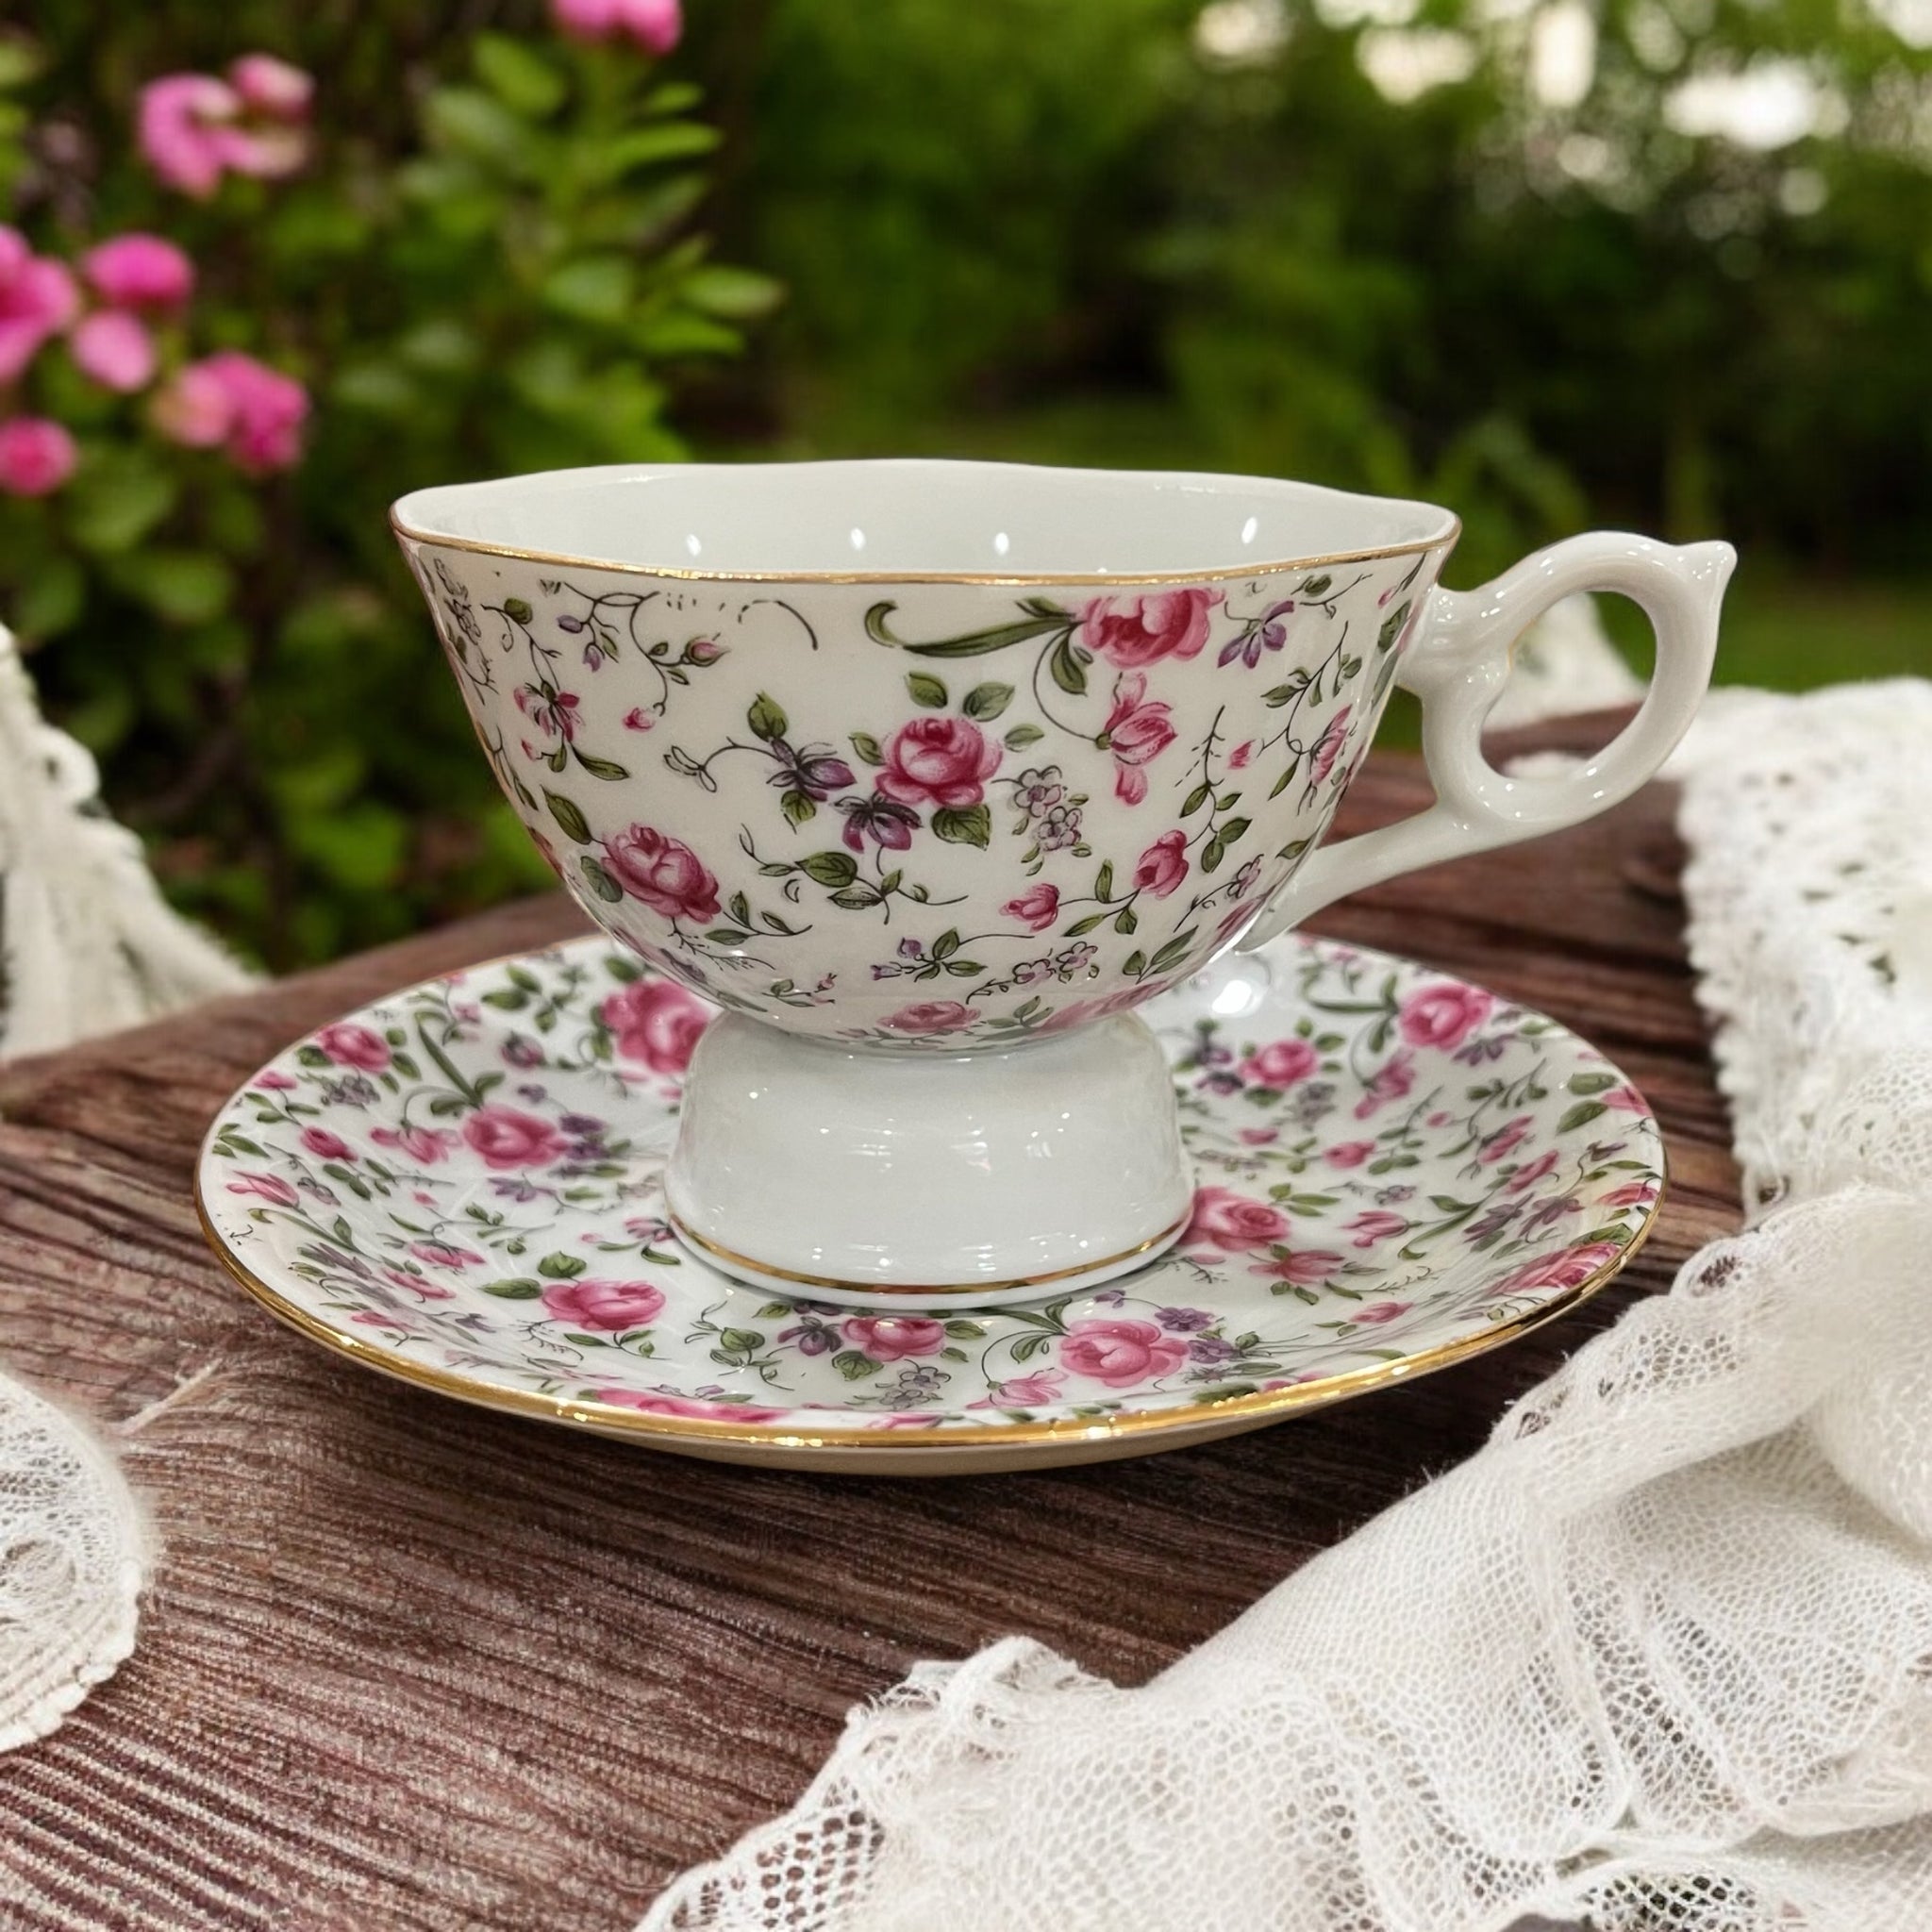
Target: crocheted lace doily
[[1660, 1655]]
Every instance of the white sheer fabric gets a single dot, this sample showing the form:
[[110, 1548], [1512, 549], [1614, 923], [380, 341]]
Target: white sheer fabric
[[1660, 1655]]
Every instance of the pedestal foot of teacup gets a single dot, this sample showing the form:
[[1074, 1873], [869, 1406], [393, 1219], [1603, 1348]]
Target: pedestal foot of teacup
[[928, 1181]]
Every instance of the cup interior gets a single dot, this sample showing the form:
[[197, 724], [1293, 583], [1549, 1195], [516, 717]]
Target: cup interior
[[918, 519]]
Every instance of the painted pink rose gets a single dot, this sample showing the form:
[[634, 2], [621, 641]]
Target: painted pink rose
[[664, 871], [350, 1045], [1532, 1172], [650, 1404], [1376, 1225], [1443, 1015], [1131, 632], [655, 1023], [37, 455], [419, 1285], [277, 1083], [605, 1308], [1631, 1195], [1505, 1139], [1036, 1391], [1163, 865], [1624, 1100], [444, 1254], [1380, 1311], [1328, 747], [1349, 1153], [1389, 1081], [892, 1338], [426, 1145], [502, 1138], [930, 1016], [940, 761], [1035, 908], [1304, 1268], [1260, 1137], [1135, 732], [371, 1317], [326, 1146], [1566, 1268], [1281, 1064], [270, 1187], [1120, 1352], [1223, 1219]]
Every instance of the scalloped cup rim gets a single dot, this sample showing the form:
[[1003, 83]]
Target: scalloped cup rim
[[494, 517]]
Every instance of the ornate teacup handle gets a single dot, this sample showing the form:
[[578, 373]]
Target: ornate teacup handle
[[1458, 666]]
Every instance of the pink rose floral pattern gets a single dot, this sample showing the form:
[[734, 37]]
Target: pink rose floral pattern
[[786, 802], [467, 1175]]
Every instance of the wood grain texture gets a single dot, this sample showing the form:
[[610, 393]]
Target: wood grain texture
[[408, 1665]]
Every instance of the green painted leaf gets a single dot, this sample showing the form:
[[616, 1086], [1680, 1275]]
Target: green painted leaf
[[1231, 829], [1391, 625], [867, 746], [1045, 617], [1068, 672], [1084, 926], [601, 882], [1212, 852], [829, 868], [518, 609], [1125, 921], [1591, 1083], [973, 826], [1136, 964], [766, 719], [1173, 952], [1581, 1115], [599, 768], [561, 1267], [742, 1340], [1021, 736], [726, 935], [518, 1290], [570, 819], [798, 807], [1195, 800], [927, 691], [855, 1364], [987, 701], [507, 999], [856, 899]]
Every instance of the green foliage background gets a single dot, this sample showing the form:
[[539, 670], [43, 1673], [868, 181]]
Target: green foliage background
[[1050, 230]]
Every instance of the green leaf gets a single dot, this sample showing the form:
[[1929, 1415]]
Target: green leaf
[[518, 1290], [965, 1331], [1581, 1115], [668, 140], [1591, 1083], [1231, 829], [477, 123], [742, 1340], [855, 1364], [1021, 736], [737, 294], [1212, 852], [926, 689], [1103, 881], [856, 899], [766, 718], [972, 826], [946, 945], [726, 935], [1136, 964], [1620, 1236], [599, 768], [1125, 921], [517, 74], [1084, 926], [507, 999], [115, 501], [987, 701], [1195, 800], [517, 608], [797, 807], [601, 882], [1173, 952], [829, 868], [1391, 625], [50, 597], [867, 747], [1066, 668], [570, 820], [1046, 617], [594, 288], [183, 586], [561, 1267]]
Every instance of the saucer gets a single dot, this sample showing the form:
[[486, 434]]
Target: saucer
[[460, 1186]]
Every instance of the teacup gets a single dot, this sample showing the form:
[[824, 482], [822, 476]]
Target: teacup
[[930, 773]]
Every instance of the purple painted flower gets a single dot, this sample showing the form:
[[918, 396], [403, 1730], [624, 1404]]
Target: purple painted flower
[[1183, 1321], [811, 770], [1269, 632], [1212, 1349], [884, 820]]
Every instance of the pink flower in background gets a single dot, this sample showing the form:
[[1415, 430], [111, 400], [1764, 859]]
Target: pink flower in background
[[352, 1045], [1120, 1352], [606, 1307], [230, 398], [1380, 1311], [270, 1187], [195, 408], [38, 299], [426, 1145], [326, 1146], [1135, 631], [114, 349], [504, 1137], [1389, 1081], [1349, 1153], [649, 1402], [1443, 1015], [273, 87], [1505, 1139], [892, 1338], [1282, 1064], [942, 762], [36, 456], [653, 25], [1223, 1219], [655, 1023], [1163, 865], [931, 1016], [1375, 1225], [1306, 1268], [193, 129], [444, 1254], [139, 270], [664, 871], [1035, 908], [1135, 732]]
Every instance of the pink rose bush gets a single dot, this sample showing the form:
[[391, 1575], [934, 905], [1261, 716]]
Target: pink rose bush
[[662, 872], [656, 1023], [1120, 1352], [939, 762], [502, 1138], [1132, 632], [604, 1307]]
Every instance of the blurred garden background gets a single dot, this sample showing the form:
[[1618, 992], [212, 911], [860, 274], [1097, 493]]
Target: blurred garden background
[[1664, 264]]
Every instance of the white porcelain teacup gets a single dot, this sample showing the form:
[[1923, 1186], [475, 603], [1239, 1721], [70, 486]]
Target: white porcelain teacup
[[929, 773]]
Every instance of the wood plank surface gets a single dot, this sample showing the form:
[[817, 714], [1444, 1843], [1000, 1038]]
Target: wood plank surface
[[409, 1665]]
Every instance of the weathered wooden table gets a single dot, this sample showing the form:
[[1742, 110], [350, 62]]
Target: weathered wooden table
[[410, 1665]]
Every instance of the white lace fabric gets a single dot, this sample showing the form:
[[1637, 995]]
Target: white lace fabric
[[1658, 1656]]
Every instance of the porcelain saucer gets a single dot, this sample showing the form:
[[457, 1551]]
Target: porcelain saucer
[[459, 1186]]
